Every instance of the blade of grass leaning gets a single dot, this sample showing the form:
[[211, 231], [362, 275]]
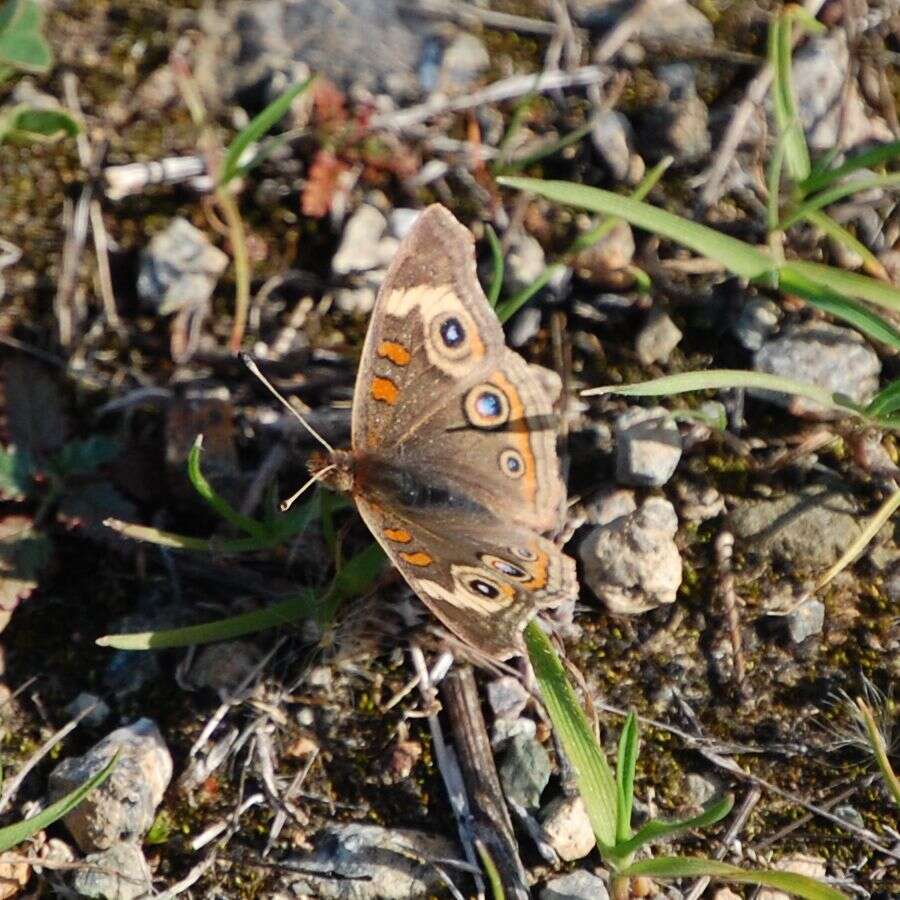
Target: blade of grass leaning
[[851, 283], [491, 871], [216, 502], [838, 192], [863, 539], [823, 297], [596, 782], [879, 749], [582, 242], [256, 128], [660, 830], [842, 236], [548, 149], [796, 153], [493, 293], [886, 401], [773, 186], [355, 577], [868, 159], [520, 110], [14, 834], [716, 379], [22, 43], [686, 867], [740, 258], [626, 763], [284, 613]]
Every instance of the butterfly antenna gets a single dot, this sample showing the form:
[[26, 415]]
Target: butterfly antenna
[[254, 368], [287, 504]]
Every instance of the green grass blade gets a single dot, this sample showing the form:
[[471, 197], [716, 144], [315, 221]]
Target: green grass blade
[[866, 160], [840, 234], [493, 293], [854, 285], [284, 613], [716, 379], [14, 834], [626, 763], [740, 258], [819, 295], [863, 539], [886, 401], [507, 309], [573, 137], [22, 43], [354, 578], [773, 186], [218, 503], [838, 192], [256, 128], [596, 782], [796, 153], [879, 748], [685, 867], [660, 830]]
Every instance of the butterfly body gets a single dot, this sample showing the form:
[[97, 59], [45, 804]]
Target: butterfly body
[[453, 461]]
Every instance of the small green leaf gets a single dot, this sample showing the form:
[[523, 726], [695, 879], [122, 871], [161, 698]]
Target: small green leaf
[[886, 401], [796, 153], [16, 474], [686, 867], [496, 285], [626, 764], [23, 123], [596, 782], [21, 831], [22, 45], [507, 309], [256, 128], [660, 830]]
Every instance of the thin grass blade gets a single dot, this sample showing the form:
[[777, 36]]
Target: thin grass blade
[[740, 258], [838, 233], [850, 283], [838, 192], [866, 160], [493, 293], [684, 867], [14, 834], [660, 830], [886, 401], [626, 763], [796, 153], [596, 782]]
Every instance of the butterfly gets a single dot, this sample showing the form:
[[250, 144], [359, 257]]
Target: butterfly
[[453, 463]]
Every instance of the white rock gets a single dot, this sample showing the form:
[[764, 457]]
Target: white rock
[[648, 446], [524, 262], [507, 697], [657, 339], [801, 864], [633, 564], [567, 828], [360, 247], [806, 620], [578, 885]]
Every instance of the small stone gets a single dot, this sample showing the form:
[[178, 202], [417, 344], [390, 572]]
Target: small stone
[[124, 806], [305, 716], [648, 446], [610, 504], [633, 564], [808, 529], [657, 339], [892, 583], [223, 666], [524, 262], [578, 885], [524, 771], [605, 263], [376, 863], [828, 356], [613, 139], [801, 864], [850, 814], [97, 716], [699, 502], [506, 729], [360, 249], [700, 789], [678, 22], [725, 893], [359, 299], [464, 61], [507, 697], [567, 828], [179, 268], [678, 125], [401, 221], [13, 878], [119, 873], [524, 326], [320, 676], [756, 322], [806, 620]]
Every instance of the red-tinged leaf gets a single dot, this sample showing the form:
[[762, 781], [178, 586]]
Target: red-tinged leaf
[[322, 184], [329, 103]]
